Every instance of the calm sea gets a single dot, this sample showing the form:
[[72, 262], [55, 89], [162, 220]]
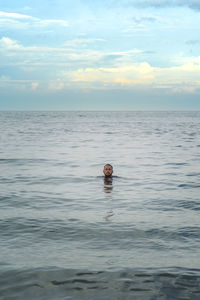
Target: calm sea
[[67, 234]]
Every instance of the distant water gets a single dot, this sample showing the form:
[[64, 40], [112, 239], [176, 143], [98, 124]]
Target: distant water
[[65, 234]]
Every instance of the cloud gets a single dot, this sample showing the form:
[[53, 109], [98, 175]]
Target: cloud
[[183, 78], [16, 16], [34, 85], [32, 56], [47, 22], [38, 56], [7, 44], [141, 20], [10, 44], [193, 4], [9, 84], [135, 74], [16, 20], [82, 42], [63, 67], [57, 85]]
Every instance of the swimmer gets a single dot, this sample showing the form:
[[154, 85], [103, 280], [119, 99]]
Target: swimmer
[[108, 171]]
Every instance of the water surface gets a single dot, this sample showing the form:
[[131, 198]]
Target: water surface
[[66, 234]]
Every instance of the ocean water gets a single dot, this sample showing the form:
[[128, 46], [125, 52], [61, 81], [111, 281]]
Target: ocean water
[[67, 234]]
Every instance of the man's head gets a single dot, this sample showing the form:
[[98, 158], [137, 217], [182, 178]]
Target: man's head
[[108, 170]]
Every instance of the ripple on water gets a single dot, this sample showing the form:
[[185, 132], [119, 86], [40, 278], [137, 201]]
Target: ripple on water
[[54, 283], [55, 210]]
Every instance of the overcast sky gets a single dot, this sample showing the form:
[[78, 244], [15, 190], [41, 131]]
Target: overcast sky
[[99, 55]]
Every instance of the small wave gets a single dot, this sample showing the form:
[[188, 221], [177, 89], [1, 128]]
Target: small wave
[[193, 174], [22, 161], [189, 232], [188, 204], [55, 283], [188, 185], [176, 164], [103, 234]]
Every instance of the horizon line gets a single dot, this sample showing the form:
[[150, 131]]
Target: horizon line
[[96, 110]]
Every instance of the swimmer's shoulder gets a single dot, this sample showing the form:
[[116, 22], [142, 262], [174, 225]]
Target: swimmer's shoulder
[[112, 177]]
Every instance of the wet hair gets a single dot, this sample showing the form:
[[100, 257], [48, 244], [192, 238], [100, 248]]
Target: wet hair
[[109, 166]]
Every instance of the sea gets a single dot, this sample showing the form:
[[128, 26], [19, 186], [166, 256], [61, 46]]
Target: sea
[[66, 233]]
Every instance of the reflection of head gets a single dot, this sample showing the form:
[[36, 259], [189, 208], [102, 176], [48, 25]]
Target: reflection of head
[[108, 184], [108, 170]]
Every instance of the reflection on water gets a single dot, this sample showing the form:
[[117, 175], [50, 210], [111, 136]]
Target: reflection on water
[[108, 187], [108, 184], [109, 214]]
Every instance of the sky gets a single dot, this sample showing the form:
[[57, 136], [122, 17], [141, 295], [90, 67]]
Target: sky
[[99, 55]]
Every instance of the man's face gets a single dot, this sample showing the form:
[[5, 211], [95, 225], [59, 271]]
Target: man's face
[[107, 170]]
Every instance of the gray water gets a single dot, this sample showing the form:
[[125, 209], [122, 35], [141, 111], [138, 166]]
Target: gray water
[[67, 234]]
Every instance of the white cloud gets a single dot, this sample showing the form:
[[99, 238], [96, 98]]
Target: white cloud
[[79, 67], [141, 73], [9, 83], [57, 85], [9, 44], [142, 76], [17, 20], [82, 42], [34, 85], [16, 16], [183, 78], [53, 22], [32, 56]]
